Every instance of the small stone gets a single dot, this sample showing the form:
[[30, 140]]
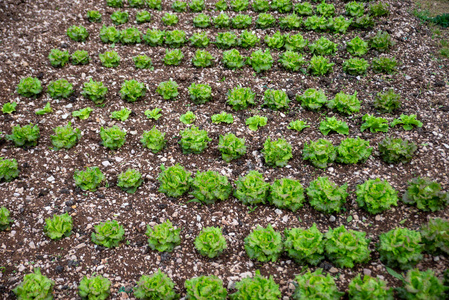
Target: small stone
[[124, 295], [407, 77], [51, 179], [32, 245], [333, 270], [59, 269], [367, 272], [332, 219], [106, 163]]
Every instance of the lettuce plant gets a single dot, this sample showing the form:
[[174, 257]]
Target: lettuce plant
[[352, 151], [241, 21], [5, 220], [355, 66], [24, 136], [320, 65], [109, 34], [80, 57], [60, 88], [255, 122], [205, 287], [298, 125], [374, 124], [379, 9], [282, 6], [400, 248], [222, 20], [221, 5], [260, 60], [320, 153], [287, 193], [35, 286], [143, 17], [199, 39], [346, 247], [312, 99], [369, 288], [163, 237], [129, 180], [381, 41], [193, 140], [29, 87], [396, 150], [113, 137], [226, 40], [47, 109], [257, 287], [277, 153], [276, 99], [95, 91], [59, 226], [407, 122], [231, 147], [114, 3], [170, 19], [200, 93], [196, 5], [345, 103], [387, 102], [303, 8], [154, 4], [305, 246], [65, 137], [132, 90], [365, 22], [384, 65], [179, 6], [9, 107], [435, 235], [295, 42], [340, 24], [201, 21], [210, 242], [332, 124], [326, 196], [290, 22], [376, 196], [325, 9], [174, 181], [317, 23], [130, 36], [291, 61], [202, 59], [82, 113], [222, 117], [168, 89], [232, 59], [425, 194], [265, 20], [153, 140], [77, 33], [119, 17], [156, 286], [93, 16], [248, 39], [97, 287], [109, 59], [316, 286], [143, 62], [210, 186], [355, 9], [422, 285], [264, 244], [108, 234], [88, 180], [357, 46], [154, 37], [251, 189], [275, 41], [261, 5], [173, 57], [175, 38], [187, 118], [323, 46], [9, 169], [239, 98], [239, 5], [58, 58], [153, 114]]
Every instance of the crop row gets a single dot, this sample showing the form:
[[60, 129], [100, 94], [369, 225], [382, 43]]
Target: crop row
[[352, 9]]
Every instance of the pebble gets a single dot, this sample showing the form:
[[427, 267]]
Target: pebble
[[51, 179], [332, 219], [367, 272], [333, 270]]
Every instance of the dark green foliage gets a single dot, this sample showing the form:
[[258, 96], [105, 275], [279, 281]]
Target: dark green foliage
[[226, 40], [435, 235], [291, 61], [29, 87], [357, 46], [59, 226], [261, 60], [303, 8], [374, 124], [264, 244], [239, 97], [194, 140], [65, 137], [222, 21], [113, 137], [384, 64], [109, 59], [276, 99], [323, 46], [210, 186], [295, 42], [108, 234], [275, 41], [93, 16], [200, 93], [325, 9], [58, 58], [77, 33], [143, 62], [5, 220], [290, 22], [381, 41], [379, 9], [326, 196], [8, 169], [352, 151], [251, 189], [179, 6], [395, 150], [312, 99], [365, 22], [168, 89], [202, 59], [231, 147], [422, 285], [173, 57], [210, 242], [316, 286], [132, 90], [109, 34], [196, 5], [60, 88], [425, 194], [320, 65], [80, 57], [174, 181], [369, 288], [345, 103], [221, 5], [376, 196], [129, 180], [320, 153], [153, 140], [248, 39], [305, 246], [355, 9], [199, 39], [154, 4], [241, 21], [170, 19], [282, 6], [130, 36], [387, 102], [287, 193], [239, 5], [88, 180], [261, 5], [24, 136], [355, 66], [114, 3], [265, 20]]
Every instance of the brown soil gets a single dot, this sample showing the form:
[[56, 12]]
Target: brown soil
[[30, 29]]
